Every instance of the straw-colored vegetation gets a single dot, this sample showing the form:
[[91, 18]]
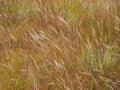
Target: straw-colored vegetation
[[59, 45]]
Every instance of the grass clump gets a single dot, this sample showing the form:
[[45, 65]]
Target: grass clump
[[59, 45]]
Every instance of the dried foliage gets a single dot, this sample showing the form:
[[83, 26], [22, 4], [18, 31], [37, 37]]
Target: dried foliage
[[59, 44]]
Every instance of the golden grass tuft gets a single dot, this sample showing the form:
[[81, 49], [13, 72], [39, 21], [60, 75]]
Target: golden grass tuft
[[59, 44]]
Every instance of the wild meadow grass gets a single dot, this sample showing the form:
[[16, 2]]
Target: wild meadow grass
[[59, 44]]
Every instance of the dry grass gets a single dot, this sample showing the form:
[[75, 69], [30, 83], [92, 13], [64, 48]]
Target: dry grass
[[59, 45]]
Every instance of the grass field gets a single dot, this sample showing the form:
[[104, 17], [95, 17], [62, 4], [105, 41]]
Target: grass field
[[59, 45]]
